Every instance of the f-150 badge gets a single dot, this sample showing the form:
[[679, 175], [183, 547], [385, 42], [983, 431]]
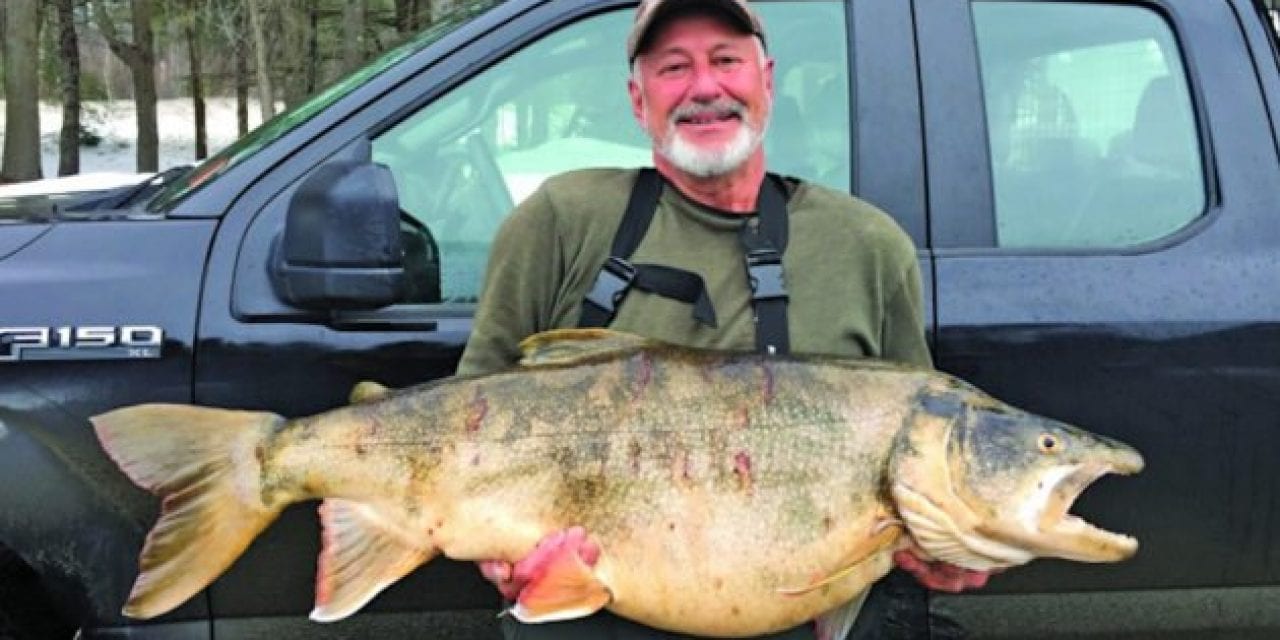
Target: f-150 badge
[[133, 342]]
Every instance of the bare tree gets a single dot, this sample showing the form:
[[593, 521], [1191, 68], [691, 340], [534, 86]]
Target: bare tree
[[69, 58], [266, 92], [313, 50], [191, 25], [139, 56], [296, 64], [242, 80], [408, 16], [21, 87], [229, 24], [353, 25]]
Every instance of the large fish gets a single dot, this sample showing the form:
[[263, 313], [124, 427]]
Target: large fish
[[729, 494]]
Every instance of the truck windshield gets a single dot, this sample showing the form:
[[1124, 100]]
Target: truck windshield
[[281, 124]]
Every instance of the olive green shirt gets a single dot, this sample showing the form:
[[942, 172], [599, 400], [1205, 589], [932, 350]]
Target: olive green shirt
[[850, 271]]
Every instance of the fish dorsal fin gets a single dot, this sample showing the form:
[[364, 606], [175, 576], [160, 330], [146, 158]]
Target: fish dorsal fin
[[364, 551], [368, 391], [566, 346]]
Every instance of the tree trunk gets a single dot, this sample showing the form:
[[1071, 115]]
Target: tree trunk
[[21, 86], [404, 9], [313, 48], [353, 16], [408, 17], [69, 51], [242, 74], [296, 18], [266, 93], [197, 78], [139, 56], [144, 83]]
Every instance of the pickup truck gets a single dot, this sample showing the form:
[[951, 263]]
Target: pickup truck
[[1092, 186]]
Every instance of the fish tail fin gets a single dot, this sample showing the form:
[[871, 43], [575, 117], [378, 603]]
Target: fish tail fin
[[205, 466], [365, 550]]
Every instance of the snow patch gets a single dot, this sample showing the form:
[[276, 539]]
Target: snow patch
[[114, 123]]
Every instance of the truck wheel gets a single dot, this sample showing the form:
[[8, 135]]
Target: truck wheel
[[25, 610]]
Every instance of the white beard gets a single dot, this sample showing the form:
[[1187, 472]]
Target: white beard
[[710, 162]]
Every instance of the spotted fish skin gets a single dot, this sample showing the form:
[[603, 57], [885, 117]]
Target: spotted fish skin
[[731, 494]]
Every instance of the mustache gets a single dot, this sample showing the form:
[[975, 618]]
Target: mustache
[[720, 107]]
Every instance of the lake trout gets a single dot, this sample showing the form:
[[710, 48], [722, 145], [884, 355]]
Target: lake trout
[[729, 494]]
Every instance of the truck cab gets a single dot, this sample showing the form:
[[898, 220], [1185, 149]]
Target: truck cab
[[1090, 186]]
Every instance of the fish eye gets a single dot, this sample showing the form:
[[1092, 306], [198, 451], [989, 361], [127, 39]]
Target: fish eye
[[1049, 443]]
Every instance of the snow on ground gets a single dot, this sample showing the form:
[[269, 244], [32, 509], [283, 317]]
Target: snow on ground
[[114, 122]]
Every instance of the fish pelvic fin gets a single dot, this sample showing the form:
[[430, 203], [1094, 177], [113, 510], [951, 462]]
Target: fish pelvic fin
[[566, 589], [364, 551], [204, 464], [884, 534]]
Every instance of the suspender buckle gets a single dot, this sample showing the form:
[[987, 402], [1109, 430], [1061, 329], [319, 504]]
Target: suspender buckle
[[612, 283], [764, 274]]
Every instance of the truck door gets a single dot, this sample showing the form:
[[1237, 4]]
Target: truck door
[[1102, 180]]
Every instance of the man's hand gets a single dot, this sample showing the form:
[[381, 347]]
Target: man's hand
[[511, 579], [938, 575]]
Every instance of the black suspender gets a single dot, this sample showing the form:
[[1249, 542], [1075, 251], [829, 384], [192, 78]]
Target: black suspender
[[764, 239], [618, 275]]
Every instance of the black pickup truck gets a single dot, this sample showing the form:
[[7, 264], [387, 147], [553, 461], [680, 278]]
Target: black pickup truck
[[1094, 188]]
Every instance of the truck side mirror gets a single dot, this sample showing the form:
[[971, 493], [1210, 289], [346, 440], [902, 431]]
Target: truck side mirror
[[341, 245]]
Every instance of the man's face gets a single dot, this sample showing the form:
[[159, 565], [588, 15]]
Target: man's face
[[703, 91]]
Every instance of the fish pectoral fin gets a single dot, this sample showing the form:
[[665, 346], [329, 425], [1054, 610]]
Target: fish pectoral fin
[[368, 391], [884, 534], [566, 589], [364, 551], [565, 346]]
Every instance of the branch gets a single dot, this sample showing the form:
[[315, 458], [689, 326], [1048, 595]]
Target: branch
[[127, 52]]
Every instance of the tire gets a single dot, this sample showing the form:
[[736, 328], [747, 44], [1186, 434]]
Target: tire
[[26, 612]]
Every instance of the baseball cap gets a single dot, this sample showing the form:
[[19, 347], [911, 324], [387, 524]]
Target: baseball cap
[[651, 13]]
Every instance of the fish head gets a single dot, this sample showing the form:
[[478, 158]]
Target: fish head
[[984, 485]]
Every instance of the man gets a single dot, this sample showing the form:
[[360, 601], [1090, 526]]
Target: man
[[713, 253]]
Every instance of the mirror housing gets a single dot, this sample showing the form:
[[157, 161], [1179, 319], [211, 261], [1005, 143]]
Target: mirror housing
[[341, 245]]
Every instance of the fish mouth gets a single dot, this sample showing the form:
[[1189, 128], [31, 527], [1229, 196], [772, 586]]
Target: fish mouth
[[1063, 534], [946, 528]]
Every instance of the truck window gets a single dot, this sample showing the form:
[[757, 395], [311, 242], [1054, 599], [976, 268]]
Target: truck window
[[463, 161], [1093, 138]]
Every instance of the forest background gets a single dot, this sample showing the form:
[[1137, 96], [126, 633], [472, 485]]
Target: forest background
[[200, 72]]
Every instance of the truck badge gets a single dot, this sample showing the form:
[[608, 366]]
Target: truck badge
[[133, 342]]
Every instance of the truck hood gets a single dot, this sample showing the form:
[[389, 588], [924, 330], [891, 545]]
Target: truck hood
[[71, 184], [69, 196]]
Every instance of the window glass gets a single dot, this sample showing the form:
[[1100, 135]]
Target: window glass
[[809, 135], [1092, 133], [463, 161]]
